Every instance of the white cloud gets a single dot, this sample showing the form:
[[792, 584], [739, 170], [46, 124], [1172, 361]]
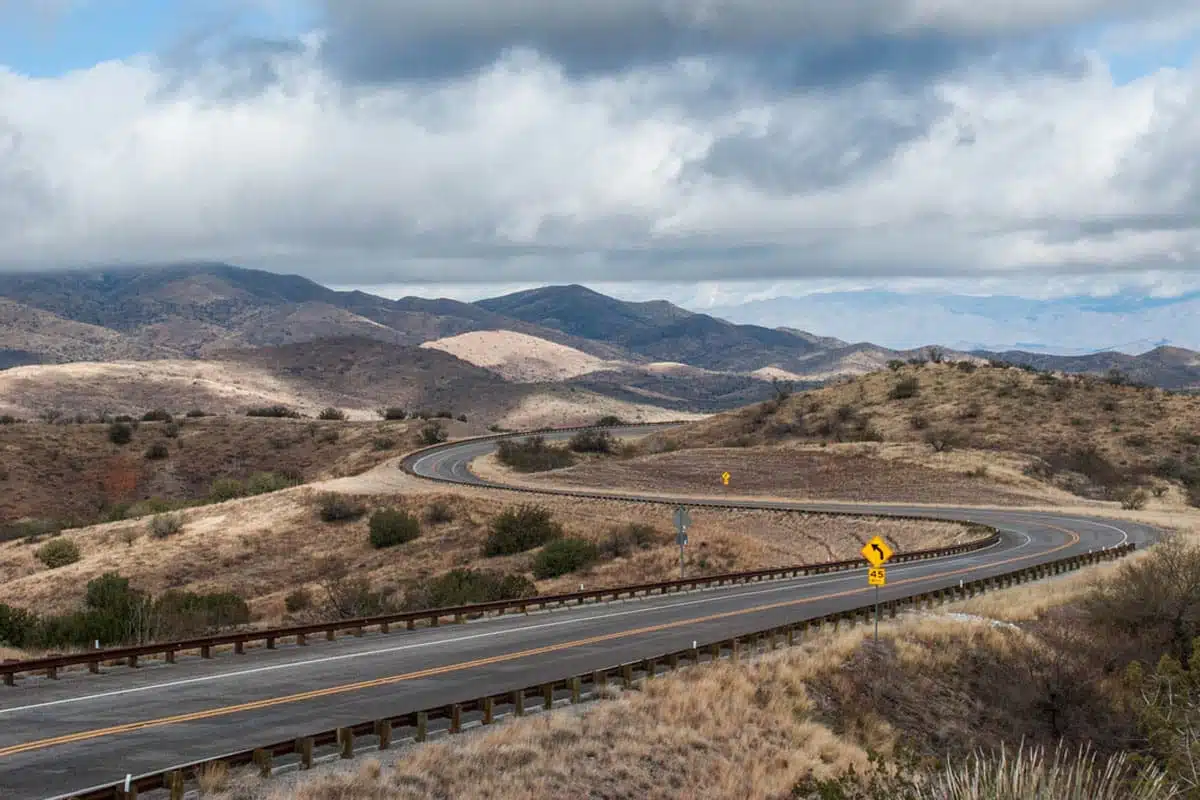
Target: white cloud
[[676, 171]]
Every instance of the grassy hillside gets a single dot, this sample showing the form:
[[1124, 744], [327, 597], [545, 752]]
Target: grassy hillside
[[1095, 436]]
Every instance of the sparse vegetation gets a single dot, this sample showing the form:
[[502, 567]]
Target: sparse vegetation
[[334, 507], [942, 439], [157, 451], [1134, 499], [609, 421], [58, 552], [392, 526], [393, 413], [332, 413], [432, 434], [298, 600], [196, 413], [625, 540], [461, 587], [561, 556], [275, 411], [158, 415], [383, 443], [516, 530], [439, 512], [593, 442], [532, 455]]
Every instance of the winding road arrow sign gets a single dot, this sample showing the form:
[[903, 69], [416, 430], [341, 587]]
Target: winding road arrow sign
[[877, 552]]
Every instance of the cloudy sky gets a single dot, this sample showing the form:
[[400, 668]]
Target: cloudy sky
[[711, 151]]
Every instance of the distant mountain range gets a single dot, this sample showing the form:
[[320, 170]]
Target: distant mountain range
[[649, 352]]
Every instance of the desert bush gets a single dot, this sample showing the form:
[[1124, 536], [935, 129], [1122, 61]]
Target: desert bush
[[918, 422], [266, 482], [972, 410], [58, 552], [522, 528], [942, 439], [966, 366], [532, 455], [328, 436], [223, 489], [562, 556], [332, 413], [8, 419], [348, 596], [120, 433], [297, 600], [439, 512], [462, 587], [609, 421], [1133, 499], [31, 530], [158, 415], [895, 364], [392, 413], [18, 627], [444, 414], [165, 525], [392, 526], [461, 417], [381, 443], [171, 430], [334, 507], [1159, 490], [275, 411], [624, 541], [179, 614], [432, 434], [157, 451], [592, 442], [196, 413]]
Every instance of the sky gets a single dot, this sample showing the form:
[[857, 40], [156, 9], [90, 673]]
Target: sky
[[713, 152]]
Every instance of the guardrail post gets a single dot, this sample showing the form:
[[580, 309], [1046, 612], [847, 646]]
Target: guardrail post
[[358, 630], [434, 621], [130, 795], [239, 648], [695, 656], [673, 662], [174, 782], [489, 710], [627, 675], [383, 730], [547, 696], [301, 640], [169, 656], [599, 679], [422, 726], [791, 635], [330, 635], [205, 651], [52, 673], [456, 718], [270, 642], [518, 701], [262, 760], [385, 627], [304, 747], [576, 689], [733, 649], [410, 625], [345, 738], [93, 667]]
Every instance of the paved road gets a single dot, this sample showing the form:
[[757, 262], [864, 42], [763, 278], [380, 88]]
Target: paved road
[[86, 730]]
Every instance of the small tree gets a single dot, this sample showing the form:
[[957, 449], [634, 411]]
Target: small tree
[[516, 530], [157, 415], [942, 439], [1134, 499], [157, 451], [433, 433], [392, 526], [120, 433], [593, 442], [58, 552]]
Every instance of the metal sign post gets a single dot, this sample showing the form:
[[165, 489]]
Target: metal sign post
[[876, 576], [682, 520]]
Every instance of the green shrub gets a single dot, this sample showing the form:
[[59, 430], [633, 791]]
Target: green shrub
[[462, 587], [522, 528], [8, 419], [58, 552], [120, 433], [276, 411], [333, 507], [29, 529], [562, 556], [444, 414], [392, 526], [383, 443], [196, 413], [17, 626], [171, 430], [1133, 499], [165, 525], [297, 600], [266, 482], [895, 364], [966, 366], [905, 388], [462, 417], [592, 442], [433, 433], [439, 512], [223, 489], [609, 421], [392, 413], [157, 451], [532, 455], [158, 415], [183, 614], [332, 413], [942, 439]]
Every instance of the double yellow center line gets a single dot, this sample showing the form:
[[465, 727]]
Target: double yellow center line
[[480, 662]]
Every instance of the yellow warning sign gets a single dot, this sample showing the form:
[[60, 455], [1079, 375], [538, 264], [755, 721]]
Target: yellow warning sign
[[877, 576], [877, 552]]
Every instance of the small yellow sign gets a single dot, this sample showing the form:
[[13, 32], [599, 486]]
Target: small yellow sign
[[877, 576], [877, 552], [725, 476]]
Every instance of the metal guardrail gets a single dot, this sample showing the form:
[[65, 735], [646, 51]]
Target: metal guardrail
[[417, 726]]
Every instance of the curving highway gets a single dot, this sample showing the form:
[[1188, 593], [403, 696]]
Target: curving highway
[[82, 731]]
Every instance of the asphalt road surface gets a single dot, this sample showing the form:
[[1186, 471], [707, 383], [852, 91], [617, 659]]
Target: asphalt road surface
[[82, 731]]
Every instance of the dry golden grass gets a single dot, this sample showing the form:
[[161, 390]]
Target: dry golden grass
[[520, 357], [751, 729], [263, 547]]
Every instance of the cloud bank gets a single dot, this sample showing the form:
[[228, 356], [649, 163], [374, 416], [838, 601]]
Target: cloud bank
[[531, 141]]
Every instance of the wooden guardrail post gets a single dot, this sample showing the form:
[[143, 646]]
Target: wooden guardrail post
[[599, 679], [345, 738], [93, 667], [383, 730], [239, 648], [627, 676], [422, 727], [128, 795], [304, 747], [174, 783], [270, 642], [456, 718], [547, 696], [489, 710], [518, 702], [262, 760], [576, 689], [52, 673]]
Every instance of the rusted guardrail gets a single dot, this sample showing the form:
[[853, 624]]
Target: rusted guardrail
[[417, 726], [300, 634]]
